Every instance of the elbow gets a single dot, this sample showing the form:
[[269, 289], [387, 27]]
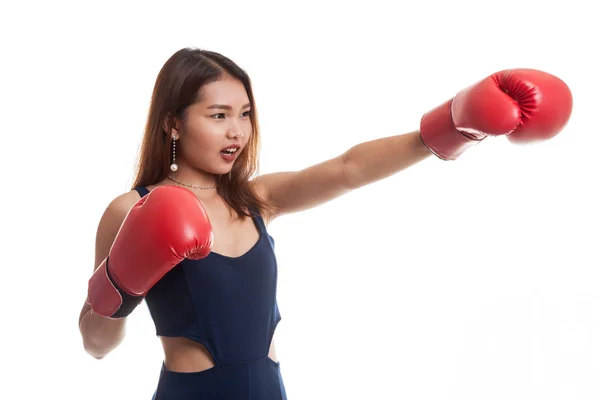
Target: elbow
[[97, 356], [95, 349], [94, 352], [98, 342], [351, 175]]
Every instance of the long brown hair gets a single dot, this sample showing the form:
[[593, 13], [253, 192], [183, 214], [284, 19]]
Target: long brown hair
[[177, 86]]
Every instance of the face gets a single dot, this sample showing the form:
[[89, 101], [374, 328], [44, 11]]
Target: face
[[216, 129]]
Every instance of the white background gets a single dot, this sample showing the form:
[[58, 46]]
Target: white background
[[472, 279]]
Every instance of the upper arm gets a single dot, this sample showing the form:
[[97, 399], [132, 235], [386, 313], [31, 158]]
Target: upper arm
[[294, 191], [110, 223], [107, 229]]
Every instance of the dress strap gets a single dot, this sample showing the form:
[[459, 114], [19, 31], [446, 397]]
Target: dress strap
[[258, 220], [142, 190]]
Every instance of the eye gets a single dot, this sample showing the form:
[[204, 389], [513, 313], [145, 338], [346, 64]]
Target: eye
[[247, 113], [218, 116]]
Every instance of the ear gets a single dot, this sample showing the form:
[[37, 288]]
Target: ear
[[171, 127]]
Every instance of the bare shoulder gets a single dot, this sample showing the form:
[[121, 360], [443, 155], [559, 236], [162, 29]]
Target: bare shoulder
[[111, 221], [118, 208], [265, 184], [262, 187], [123, 202]]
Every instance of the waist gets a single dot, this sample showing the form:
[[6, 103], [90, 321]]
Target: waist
[[252, 380], [186, 355]]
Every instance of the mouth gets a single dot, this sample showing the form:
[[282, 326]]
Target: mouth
[[229, 153]]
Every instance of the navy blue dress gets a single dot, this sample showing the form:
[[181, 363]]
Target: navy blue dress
[[229, 305]]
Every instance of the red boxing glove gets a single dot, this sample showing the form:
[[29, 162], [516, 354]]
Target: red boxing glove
[[525, 104], [161, 229]]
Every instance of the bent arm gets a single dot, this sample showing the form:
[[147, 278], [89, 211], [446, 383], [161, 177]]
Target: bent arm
[[101, 335]]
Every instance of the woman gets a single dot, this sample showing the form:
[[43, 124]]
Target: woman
[[191, 236]]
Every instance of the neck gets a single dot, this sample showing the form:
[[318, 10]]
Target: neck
[[193, 179]]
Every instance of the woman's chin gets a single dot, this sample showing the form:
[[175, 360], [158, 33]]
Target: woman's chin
[[220, 170]]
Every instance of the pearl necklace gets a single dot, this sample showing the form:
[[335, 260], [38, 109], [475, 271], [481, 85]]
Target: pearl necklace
[[190, 185]]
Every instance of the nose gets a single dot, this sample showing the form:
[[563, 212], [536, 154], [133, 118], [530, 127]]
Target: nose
[[235, 131]]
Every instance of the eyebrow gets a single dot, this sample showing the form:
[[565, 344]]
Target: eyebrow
[[225, 107]]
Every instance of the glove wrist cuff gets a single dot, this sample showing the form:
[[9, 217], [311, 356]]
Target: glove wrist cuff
[[440, 135], [106, 298]]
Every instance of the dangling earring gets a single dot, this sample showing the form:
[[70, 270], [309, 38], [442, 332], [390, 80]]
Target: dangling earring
[[174, 166]]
